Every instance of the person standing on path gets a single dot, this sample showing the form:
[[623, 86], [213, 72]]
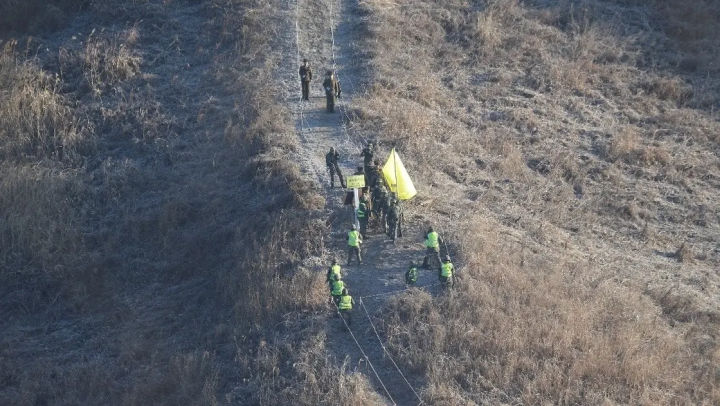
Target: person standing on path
[[394, 217], [345, 306], [305, 78], [368, 153], [354, 239], [363, 216], [447, 270], [432, 247], [331, 160], [333, 273], [332, 90], [337, 289]]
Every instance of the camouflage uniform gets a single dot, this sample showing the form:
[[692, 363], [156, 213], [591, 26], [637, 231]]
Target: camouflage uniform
[[332, 90], [331, 160], [368, 153], [394, 218]]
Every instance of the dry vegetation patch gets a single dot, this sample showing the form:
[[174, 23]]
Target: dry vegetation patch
[[577, 128]]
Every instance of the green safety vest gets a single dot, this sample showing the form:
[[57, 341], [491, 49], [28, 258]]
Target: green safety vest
[[334, 272], [412, 274], [432, 240], [447, 269], [354, 238], [345, 303], [362, 209], [338, 287]]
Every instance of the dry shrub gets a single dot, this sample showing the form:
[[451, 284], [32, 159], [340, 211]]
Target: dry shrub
[[37, 121], [300, 372], [670, 89], [538, 333]]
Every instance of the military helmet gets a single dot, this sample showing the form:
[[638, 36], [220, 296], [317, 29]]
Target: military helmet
[[430, 230], [305, 60], [353, 227], [447, 258], [332, 149], [334, 261], [345, 291], [360, 169]]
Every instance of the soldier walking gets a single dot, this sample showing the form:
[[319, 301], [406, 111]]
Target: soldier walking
[[333, 273], [305, 78], [354, 239], [432, 247], [446, 273], [331, 160], [363, 216], [332, 90], [345, 306]]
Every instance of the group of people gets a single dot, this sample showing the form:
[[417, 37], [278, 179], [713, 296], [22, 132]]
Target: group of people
[[377, 203], [331, 85]]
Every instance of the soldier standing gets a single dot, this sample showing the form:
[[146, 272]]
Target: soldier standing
[[363, 216], [368, 153], [305, 78], [331, 160], [432, 247], [411, 274], [379, 204], [393, 218], [332, 90]]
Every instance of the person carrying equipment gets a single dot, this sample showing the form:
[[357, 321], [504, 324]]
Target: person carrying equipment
[[411, 274], [333, 273], [432, 247], [345, 306], [305, 78], [331, 160], [337, 289], [446, 273], [393, 218], [363, 215], [332, 90], [354, 239], [368, 153]]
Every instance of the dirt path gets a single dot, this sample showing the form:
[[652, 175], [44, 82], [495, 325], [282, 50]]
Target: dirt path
[[323, 31]]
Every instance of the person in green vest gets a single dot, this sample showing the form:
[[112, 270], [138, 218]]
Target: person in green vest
[[337, 289], [345, 306], [354, 239], [411, 274], [447, 270], [363, 215], [333, 273], [432, 247]]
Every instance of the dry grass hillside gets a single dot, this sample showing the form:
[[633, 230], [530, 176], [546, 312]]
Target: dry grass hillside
[[152, 235], [570, 151]]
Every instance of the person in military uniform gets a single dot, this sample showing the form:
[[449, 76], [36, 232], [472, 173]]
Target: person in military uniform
[[363, 216], [394, 218], [305, 78], [332, 90], [331, 160], [411, 274], [379, 204], [345, 305], [375, 175], [334, 273], [367, 154]]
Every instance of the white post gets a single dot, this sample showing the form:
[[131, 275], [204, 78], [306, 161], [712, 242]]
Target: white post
[[356, 205]]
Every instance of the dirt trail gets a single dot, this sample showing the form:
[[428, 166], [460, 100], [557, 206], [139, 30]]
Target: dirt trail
[[323, 31]]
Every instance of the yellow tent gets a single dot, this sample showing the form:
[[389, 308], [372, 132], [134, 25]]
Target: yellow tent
[[397, 177]]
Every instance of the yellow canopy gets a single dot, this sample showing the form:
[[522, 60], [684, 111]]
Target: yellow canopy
[[397, 177]]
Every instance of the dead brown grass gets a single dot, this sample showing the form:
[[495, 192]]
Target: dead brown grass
[[562, 132]]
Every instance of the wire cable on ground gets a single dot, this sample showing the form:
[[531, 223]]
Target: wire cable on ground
[[365, 356], [388, 352]]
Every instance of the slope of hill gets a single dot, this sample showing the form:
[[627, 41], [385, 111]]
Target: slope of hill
[[570, 149]]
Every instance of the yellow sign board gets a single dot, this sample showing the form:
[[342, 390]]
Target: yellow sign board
[[355, 181]]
